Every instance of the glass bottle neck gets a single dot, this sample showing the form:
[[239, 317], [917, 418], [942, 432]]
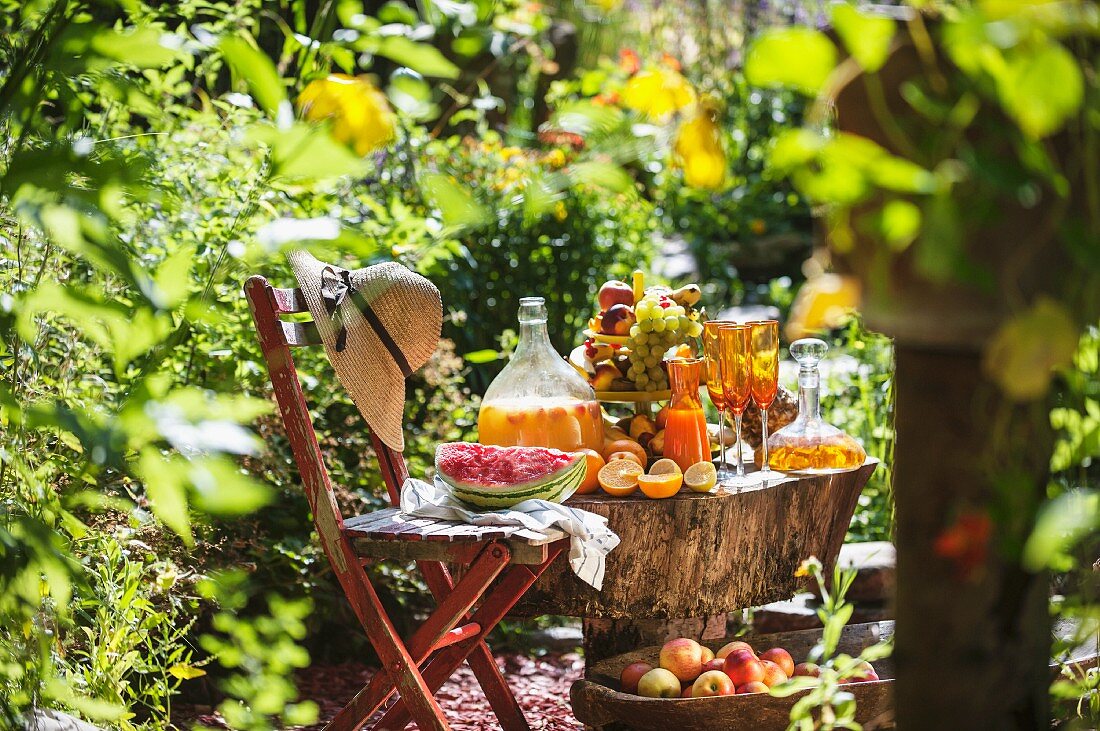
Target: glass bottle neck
[[533, 337], [809, 401]]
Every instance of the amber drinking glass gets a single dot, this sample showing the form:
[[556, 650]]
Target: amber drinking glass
[[764, 335], [712, 353], [736, 370]]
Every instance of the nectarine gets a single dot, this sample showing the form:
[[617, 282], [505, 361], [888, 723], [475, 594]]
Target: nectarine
[[712, 682], [753, 687], [631, 674], [736, 645], [743, 667], [683, 657], [780, 657], [773, 674], [659, 683]]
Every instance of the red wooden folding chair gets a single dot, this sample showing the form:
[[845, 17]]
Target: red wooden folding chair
[[500, 569]]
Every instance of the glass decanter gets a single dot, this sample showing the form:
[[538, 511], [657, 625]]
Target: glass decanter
[[808, 444], [539, 400], [686, 439]]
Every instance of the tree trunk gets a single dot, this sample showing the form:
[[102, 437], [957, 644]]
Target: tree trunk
[[973, 641]]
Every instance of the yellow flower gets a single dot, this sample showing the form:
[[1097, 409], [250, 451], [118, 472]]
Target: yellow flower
[[361, 116], [608, 5], [560, 211], [822, 303], [700, 151], [1023, 354], [658, 92], [555, 159]]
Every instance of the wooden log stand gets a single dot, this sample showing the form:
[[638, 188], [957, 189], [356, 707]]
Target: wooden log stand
[[698, 556]]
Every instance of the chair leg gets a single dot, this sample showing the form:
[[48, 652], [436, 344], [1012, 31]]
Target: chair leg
[[398, 666], [481, 660], [515, 582], [451, 609]]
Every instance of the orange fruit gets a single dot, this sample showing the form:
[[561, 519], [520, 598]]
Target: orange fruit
[[620, 477], [625, 455], [594, 463], [665, 467], [660, 486], [625, 445], [701, 477]]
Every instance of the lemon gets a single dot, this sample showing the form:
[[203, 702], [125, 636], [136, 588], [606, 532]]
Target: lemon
[[665, 467], [701, 477]]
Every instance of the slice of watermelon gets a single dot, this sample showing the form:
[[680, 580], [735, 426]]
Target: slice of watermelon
[[485, 476]]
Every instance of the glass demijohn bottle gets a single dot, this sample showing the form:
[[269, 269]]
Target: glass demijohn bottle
[[808, 444], [539, 400]]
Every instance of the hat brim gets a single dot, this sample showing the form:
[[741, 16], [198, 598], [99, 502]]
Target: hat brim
[[367, 372]]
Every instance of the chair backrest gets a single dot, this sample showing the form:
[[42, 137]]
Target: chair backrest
[[277, 337]]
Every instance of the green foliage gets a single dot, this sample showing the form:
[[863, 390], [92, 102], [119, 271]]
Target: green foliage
[[825, 705]]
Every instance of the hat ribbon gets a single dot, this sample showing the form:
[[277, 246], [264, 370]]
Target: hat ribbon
[[335, 287]]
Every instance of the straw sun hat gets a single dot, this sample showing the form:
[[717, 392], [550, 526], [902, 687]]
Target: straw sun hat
[[379, 324]]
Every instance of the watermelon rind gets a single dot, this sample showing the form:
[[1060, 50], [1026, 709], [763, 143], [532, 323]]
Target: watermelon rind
[[554, 487]]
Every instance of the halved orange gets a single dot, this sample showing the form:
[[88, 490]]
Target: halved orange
[[660, 486], [620, 477], [591, 481]]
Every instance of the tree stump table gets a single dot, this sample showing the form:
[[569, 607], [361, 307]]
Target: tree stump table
[[699, 555]]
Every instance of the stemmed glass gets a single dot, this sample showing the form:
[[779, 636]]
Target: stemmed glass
[[736, 369], [764, 335], [712, 352]]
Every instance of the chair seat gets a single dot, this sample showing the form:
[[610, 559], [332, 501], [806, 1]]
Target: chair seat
[[391, 534]]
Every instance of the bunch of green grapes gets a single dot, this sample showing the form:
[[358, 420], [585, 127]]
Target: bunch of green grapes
[[661, 324]]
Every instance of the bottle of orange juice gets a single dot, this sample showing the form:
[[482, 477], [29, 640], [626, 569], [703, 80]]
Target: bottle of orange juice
[[539, 400], [686, 441]]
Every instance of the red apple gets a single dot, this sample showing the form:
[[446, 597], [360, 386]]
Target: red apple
[[686, 693], [714, 664], [773, 674], [736, 645], [753, 687], [708, 655], [807, 670], [780, 657], [617, 320], [712, 682], [864, 673], [614, 293], [659, 683], [743, 667], [683, 657], [631, 674]]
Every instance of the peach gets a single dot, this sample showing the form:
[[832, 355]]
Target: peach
[[807, 670], [753, 687], [736, 645], [714, 664], [708, 655], [605, 375], [712, 682], [683, 657], [773, 674], [617, 320], [743, 667], [659, 683], [780, 657], [631, 674], [615, 292]]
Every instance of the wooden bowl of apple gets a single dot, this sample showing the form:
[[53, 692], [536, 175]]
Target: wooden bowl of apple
[[727, 683]]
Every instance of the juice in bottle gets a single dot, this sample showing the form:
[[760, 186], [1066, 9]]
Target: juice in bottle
[[561, 423], [539, 400], [686, 441]]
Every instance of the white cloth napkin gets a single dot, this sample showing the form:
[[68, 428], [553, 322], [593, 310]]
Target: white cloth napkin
[[590, 539]]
